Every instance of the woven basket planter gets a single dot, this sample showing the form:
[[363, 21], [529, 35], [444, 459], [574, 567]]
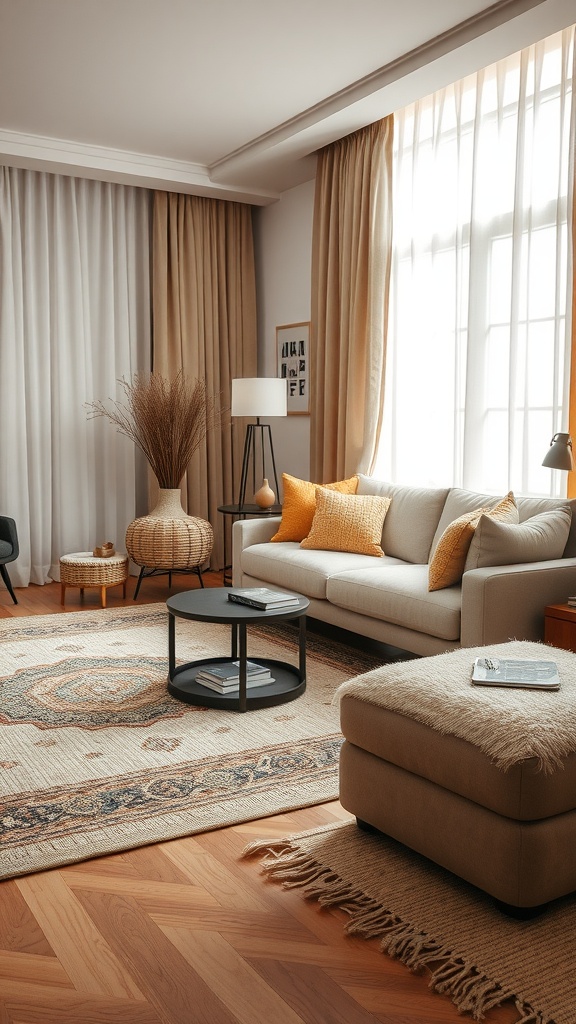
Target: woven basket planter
[[168, 538]]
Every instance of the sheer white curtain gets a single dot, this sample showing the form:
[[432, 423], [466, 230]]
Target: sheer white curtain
[[74, 318], [478, 347]]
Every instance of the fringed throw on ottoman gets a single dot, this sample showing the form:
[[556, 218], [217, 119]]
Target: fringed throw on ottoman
[[481, 780]]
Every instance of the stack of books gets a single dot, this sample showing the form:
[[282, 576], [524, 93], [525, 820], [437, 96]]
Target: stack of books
[[226, 677], [262, 598], [572, 602]]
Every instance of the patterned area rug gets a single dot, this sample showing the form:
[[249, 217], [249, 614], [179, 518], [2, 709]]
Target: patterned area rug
[[96, 756], [431, 920]]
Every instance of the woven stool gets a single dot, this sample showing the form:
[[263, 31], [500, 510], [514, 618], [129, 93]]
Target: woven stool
[[83, 569]]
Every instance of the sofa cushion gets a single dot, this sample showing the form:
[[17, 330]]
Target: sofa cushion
[[449, 558], [347, 522], [528, 507], [305, 572], [460, 501], [398, 594], [412, 518], [299, 505], [539, 538]]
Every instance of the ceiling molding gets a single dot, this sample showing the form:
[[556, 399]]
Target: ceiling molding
[[60, 156], [285, 156], [479, 24]]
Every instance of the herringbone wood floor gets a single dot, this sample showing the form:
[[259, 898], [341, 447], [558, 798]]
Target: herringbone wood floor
[[185, 932]]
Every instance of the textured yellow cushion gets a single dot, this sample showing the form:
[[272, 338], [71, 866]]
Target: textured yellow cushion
[[449, 558], [299, 505], [347, 522]]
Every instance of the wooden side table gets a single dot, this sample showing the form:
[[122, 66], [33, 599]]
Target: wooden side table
[[560, 626]]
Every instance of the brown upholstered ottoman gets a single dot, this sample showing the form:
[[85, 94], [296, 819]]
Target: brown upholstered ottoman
[[480, 780]]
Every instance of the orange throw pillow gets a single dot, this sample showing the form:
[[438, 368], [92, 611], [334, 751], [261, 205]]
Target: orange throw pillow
[[447, 565], [347, 522], [299, 505]]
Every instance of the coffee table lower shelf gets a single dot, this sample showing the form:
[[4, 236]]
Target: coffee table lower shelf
[[288, 684]]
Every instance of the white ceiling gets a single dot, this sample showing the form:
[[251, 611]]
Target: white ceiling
[[230, 97]]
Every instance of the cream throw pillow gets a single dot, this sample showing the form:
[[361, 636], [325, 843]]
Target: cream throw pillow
[[537, 539], [299, 505], [449, 559], [347, 522]]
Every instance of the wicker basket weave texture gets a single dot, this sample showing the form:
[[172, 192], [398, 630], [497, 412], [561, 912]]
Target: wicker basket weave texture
[[82, 569], [168, 538], [169, 543]]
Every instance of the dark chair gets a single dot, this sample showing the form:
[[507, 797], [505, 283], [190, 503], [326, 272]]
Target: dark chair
[[9, 550]]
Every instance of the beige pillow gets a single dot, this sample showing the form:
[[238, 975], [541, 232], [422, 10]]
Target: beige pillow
[[299, 505], [542, 537], [448, 561], [347, 522]]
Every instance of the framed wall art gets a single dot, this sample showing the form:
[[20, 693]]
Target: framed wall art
[[293, 355]]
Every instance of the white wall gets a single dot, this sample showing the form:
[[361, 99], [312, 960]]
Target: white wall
[[283, 241]]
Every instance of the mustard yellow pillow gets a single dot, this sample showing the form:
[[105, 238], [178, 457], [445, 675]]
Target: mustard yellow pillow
[[347, 522], [299, 505], [449, 558]]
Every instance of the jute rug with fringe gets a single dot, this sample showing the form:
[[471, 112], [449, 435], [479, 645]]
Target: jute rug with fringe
[[431, 920], [97, 757]]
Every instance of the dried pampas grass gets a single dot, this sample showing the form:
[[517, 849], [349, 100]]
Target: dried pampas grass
[[166, 419]]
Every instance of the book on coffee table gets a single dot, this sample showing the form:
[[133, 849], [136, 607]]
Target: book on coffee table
[[229, 672], [262, 598], [528, 673], [234, 686], [225, 678]]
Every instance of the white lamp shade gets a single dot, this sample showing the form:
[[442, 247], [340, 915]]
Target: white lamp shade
[[259, 396]]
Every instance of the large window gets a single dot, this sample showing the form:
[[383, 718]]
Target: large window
[[478, 348]]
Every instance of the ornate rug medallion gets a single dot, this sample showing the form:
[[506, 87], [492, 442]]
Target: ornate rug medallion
[[89, 693]]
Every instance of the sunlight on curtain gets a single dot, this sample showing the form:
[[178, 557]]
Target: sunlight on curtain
[[74, 318], [478, 350]]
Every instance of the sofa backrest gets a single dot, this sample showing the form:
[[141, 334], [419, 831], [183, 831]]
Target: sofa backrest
[[412, 518], [459, 501]]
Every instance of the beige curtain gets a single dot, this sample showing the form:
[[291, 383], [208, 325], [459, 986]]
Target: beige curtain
[[204, 322], [351, 250]]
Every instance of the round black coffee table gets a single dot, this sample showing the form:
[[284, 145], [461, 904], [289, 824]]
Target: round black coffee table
[[213, 606]]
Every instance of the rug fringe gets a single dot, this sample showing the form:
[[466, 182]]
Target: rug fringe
[[470, 991], [530, 1016]]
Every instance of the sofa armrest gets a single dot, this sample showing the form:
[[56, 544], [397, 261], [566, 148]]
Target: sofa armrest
[[246, 532], [507, 602]]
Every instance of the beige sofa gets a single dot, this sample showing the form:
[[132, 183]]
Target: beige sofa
[[387, 598]]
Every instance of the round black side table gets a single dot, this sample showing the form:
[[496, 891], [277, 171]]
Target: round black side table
[[213, 605]]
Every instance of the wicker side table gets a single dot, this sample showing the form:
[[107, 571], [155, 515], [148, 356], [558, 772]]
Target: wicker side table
[[83, 569]]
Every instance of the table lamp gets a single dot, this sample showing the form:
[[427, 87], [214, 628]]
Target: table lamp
[[258, 396]]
